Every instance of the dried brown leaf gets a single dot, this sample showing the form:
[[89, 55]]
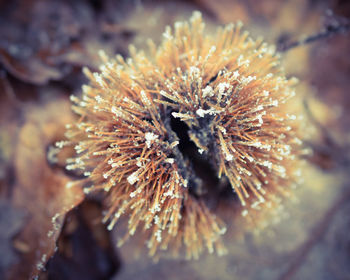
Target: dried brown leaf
[[40, 190], [11, 221]]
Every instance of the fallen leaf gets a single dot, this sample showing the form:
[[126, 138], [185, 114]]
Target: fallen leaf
[[40, 190], [84, 247], [11, 221]]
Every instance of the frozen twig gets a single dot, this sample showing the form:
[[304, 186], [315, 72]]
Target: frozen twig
[[333, 26]]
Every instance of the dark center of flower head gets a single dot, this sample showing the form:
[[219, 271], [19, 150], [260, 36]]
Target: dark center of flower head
[[166, 136], [198, 165]]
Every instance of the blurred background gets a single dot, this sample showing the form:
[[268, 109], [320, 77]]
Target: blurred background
[[50, 231]]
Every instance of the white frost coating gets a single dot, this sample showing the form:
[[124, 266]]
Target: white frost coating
[[259, 108], [180, 115], [69, 185], [85, 88], [247, 80], [88, 190], [158, 235], [156, 219], [110, 226], [222, 87], [167, 95], [150, 138], [167, 33], [116, 164], [212, 50], [258, 185], [229, 157], [195, 16], [133, 178], [267, 163], [74, 99], [174, 144], [194, 72], [275, 103], [98, 98], [265, 93], [78, 148], [208, 92], [178, 24], [102, 54], [99, 79], [138, 162], [145, 98], [200, 112], [251, 159], [156, 208], [244, 212], [170, 160], [222, 129], [82, 104], [40, 265], [115, 111], [260, 145], [235, 75], [281, 169], [241, 62], [54, 218]]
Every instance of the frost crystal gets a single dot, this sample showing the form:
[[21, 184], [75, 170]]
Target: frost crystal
[[208, 92], [133, 178], [150, 138]]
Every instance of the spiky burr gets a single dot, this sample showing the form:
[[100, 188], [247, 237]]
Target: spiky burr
[[225, 94]]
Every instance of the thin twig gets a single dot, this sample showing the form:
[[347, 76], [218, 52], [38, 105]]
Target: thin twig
[[333, 26]]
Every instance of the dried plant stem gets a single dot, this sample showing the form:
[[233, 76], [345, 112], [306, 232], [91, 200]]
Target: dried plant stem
[[333, 28]]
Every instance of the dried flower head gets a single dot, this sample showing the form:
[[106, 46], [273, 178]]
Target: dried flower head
[[152, 126]]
